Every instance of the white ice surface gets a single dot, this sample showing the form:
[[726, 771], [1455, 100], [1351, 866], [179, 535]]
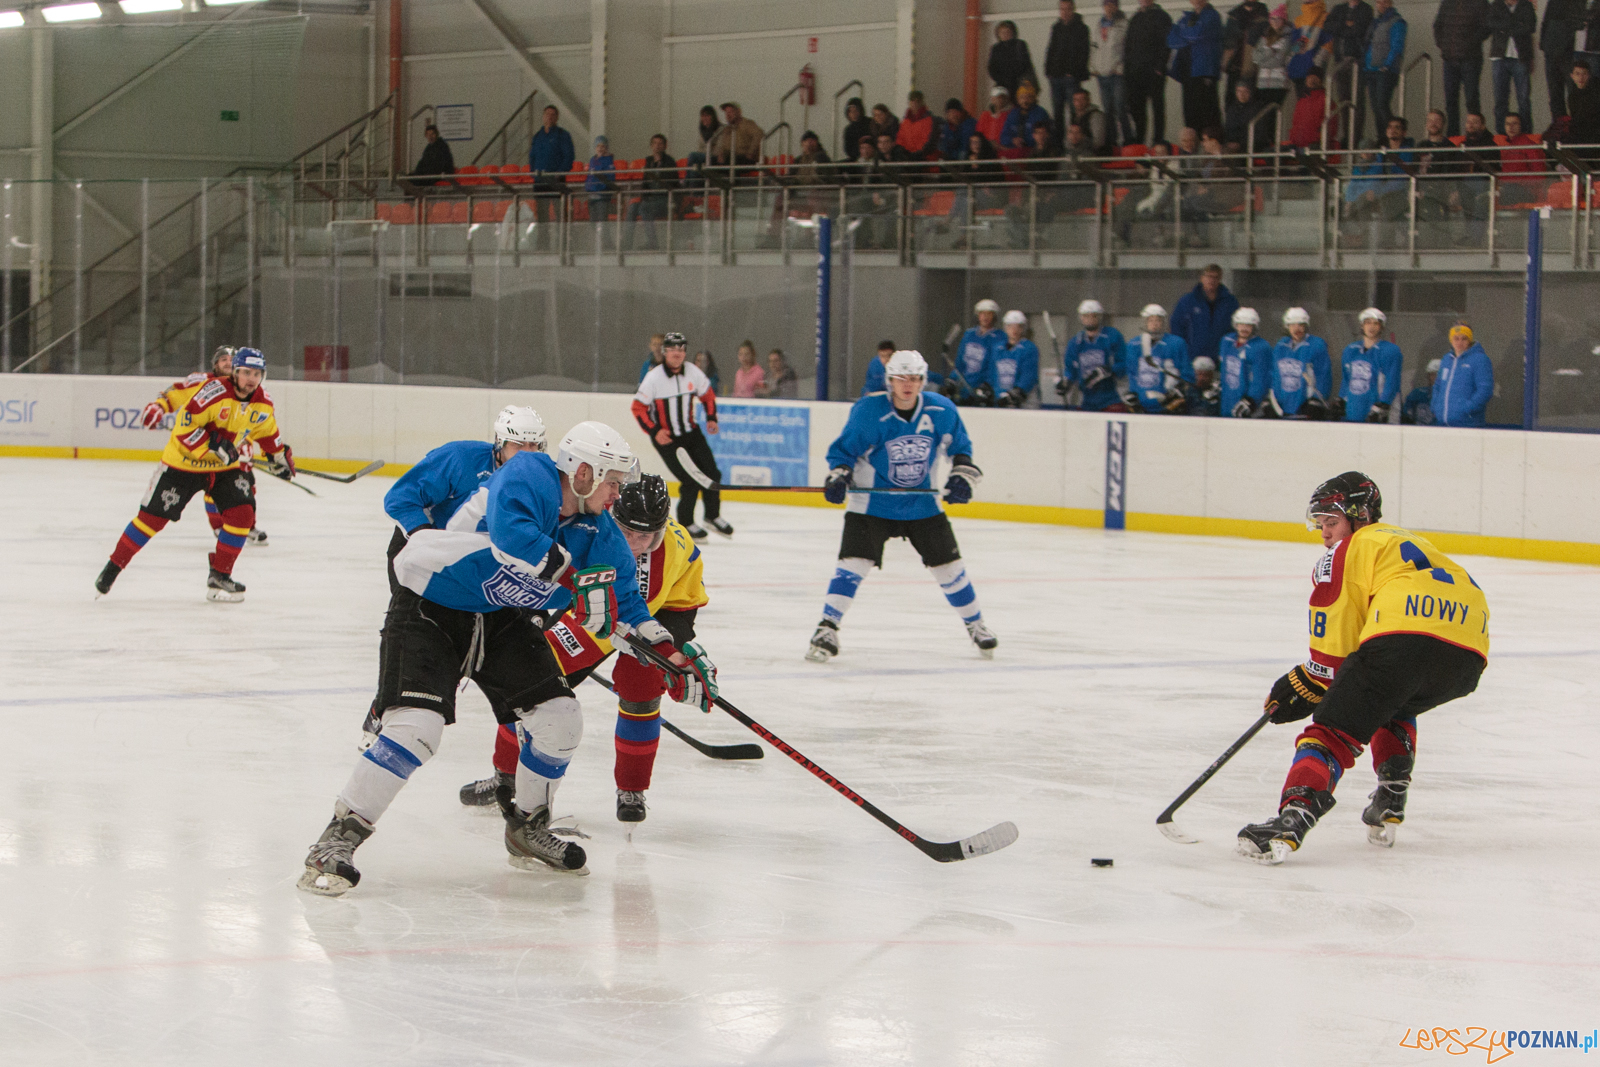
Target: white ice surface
[[165, 761]]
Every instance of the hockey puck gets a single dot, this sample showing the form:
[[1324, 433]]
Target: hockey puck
[[1101, 862]]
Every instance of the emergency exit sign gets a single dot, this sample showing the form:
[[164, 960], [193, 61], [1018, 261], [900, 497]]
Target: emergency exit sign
[[230, 116]]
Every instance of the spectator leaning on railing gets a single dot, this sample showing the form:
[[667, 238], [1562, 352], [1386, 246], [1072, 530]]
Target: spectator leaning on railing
[[1459, 29], [1010, 64], [1465, 383], [436, 157], [1107, 51], [1511, 25], [1144, 63], [957, 130], [738, 141], [1196, 43], [920, 130]]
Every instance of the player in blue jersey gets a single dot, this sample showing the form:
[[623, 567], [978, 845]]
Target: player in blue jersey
[[1301, 372], [898, 439], [1246, 366], [1093, 362], [1370, 372], [1158, 364], [1014, 369], [471, 605], [976, 353]]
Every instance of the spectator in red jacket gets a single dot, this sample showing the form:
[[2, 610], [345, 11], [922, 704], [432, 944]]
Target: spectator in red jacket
[[1305, 130], [919, 130], [1520, 165], [992, 119]]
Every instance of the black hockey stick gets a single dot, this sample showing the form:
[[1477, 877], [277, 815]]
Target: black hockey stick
[[818, 489], [993, 839], [282, 474], [1164, 821], [714, 751], [376, 464]]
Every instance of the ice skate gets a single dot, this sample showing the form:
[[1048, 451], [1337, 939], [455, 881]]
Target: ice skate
[[1387, 809], [824, 643], [630, 805], [698, 532], [329, 870], [102, 584], [986, 641], [256, 537], [1271, 842], [531, 844], [222, 588], [482, 793], [721, 526]]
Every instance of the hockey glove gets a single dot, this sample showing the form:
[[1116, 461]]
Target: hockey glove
[[1243, 409], [950, 388], [152, 415], [964, 478], [1175, 402], [1376, 413], [697, 685], [1063, 387], [837, 487], [983, 394], [594, 601], [1294, 696], [1130, 400], [1013, 398], [1095, 376], [286, 457], [651, 633], [225, 450]]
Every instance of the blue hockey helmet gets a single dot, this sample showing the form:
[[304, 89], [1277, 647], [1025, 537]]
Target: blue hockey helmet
[[250, 357]]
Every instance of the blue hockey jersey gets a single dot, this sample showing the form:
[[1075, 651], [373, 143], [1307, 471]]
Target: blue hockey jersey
[[1167, 365], [1300, 370], [1370, 376], [975, 355], [1084, 354], [429, 493], [883, 447], [1014, 367], [1245, 371]]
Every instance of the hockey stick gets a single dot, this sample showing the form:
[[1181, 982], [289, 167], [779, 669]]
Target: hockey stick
[[714, 751], [376, 464], [1164, 821], [282, 474], [816, 489], [993, 839]]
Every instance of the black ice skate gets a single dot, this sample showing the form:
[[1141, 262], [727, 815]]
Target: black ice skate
[[630, 805], [222, 588], [981, 636], [1273, 840], [1388, 807], [824, 643], [102, 584], [329, 870], [531, 844], [697, 531], [484, 792], [721, 526], [256, 537]]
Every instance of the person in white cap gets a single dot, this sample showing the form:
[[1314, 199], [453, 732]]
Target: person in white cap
[[1014, 370], [1093, 362], [1245, 365], [1302, 373], [1370, 372], [976, 353], [1418, 407], [1158, 362]]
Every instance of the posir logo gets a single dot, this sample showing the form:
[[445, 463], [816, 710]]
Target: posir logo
[[18, 411]]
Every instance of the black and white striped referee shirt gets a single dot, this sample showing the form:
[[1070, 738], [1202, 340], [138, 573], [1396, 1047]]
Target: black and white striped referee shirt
[[667, 399]]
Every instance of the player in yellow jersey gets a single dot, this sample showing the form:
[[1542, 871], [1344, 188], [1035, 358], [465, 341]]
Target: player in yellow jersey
[[673, 587], [1397, 627], [214, 426]]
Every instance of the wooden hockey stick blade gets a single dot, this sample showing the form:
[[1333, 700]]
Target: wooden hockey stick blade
[[817, 489], [726, 752], [1164, 821], [376, 464]]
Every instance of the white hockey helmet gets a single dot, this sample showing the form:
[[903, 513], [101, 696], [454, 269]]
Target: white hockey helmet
[[906, 363], [986, 305], [522, 425], [1204, 363], [602, 448], [1153, 309], [1297, 317], [1091, 307], [1246, 317], [1372, 313], [1015, 318], [1434, 365]]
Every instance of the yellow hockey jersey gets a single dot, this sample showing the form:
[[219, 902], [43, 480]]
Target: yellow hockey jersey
[[1385, 580], [179, 393], [213, 413]]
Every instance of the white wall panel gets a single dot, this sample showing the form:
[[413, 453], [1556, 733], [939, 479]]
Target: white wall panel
[[1440, 479]]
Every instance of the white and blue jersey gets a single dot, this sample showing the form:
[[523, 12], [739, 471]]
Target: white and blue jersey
[[429, 493], [1085, 352], [975, 355], [1370, 376], [1245, 371], [1300, 370], [885, 448], [1155, 365], [1014, 367]]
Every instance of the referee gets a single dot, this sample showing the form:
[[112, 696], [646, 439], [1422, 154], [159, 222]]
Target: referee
[[664, 407]]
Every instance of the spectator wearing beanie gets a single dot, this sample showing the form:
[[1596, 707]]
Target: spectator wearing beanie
[[857, 126], [957, 130]]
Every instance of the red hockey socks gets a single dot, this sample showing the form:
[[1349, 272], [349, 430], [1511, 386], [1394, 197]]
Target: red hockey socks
[[213, 516], [1396, 738], [638, 737], [143, 527], [236, 523], [506, 748], [1321, 755]]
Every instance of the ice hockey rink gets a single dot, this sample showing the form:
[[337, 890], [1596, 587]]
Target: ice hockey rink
[[166, 762]]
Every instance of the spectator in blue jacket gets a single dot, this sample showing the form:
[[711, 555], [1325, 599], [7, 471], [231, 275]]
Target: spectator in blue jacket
[[1381, 63], [1204, 314], [1159, 365], [1370, 369], [1093, 362], [1465, 382], [550, 157], [957, 130], [601, 181], [876, 382], [1246, 366], [1014, 370], [1196, 63], [1302, 373], [1017, 135]]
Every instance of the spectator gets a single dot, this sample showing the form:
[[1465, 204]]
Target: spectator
[[876, 383], [879, 201], [984, 166], [957, 131], [1520, 167], [1107, 51], [1159, 364], [1459, 29], [1202, 315], [1511, 24], [1370, 369], [1096, 130], [707, 129], [1246, 364], [919, 131], [976, 353], [1558, 40], [890, 152], [1418, 407], [1583, 104], [1052, 199], [1151, 208], [1309, 50], [1016, 137], [1437, 159], [884, 122], [1268, 60], [1144, 63], [1472, 195], [1014, 371], [1188, 142], [654, 357], [436, 157], [1009, 62], [1196, 43], [1301, 372], [1240, 116], [812, 166], [1465, 383], [1238, 35], [1217, 196], [601, 180], [856, 126], [1346, 31], [749, 380], [1094, 360], [1383, 189], [993, 119], [550, 157], [1310, 112], [708, 366], [1383, 59], [738, 141], [655, 193], [782, 382], [1066, 59]]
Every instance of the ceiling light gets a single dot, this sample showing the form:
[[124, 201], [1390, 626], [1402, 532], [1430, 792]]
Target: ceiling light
[[10, 19], [71, 12], [227, 3], [146, 7]]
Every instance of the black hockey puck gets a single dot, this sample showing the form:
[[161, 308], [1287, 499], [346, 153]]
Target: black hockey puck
[[1101, 862]]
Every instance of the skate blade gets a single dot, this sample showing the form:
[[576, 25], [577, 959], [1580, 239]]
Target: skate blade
[[1382, 836], [222, 596], [324, 884], [1172, 832], [986, 653], [1271, 858], [531, 863], [817, 655]]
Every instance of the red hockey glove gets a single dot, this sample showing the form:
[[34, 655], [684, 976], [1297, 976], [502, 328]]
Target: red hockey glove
[[153, 415], [286, 457]]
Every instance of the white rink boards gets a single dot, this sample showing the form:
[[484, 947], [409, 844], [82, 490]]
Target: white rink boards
[[166, 761]]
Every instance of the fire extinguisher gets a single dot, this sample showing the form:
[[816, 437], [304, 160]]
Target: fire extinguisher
[[808, 86]]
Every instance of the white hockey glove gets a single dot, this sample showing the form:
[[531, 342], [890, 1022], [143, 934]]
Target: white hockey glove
[[1243, 409], [651, 633], [697, 685], [964, 478]]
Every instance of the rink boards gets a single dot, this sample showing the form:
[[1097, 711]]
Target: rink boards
[[1485, 492]]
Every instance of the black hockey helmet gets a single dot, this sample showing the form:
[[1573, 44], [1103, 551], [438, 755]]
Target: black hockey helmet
[[675, 340], [1351, 494], [642, 506]]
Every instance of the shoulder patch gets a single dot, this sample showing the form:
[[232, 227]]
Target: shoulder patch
[[207, 394]]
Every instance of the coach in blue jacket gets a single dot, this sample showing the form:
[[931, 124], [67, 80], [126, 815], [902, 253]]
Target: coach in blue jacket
[[1465, 382], [1205, 314]]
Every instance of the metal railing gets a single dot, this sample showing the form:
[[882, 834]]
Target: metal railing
[[1427, 87], [502, 136]]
